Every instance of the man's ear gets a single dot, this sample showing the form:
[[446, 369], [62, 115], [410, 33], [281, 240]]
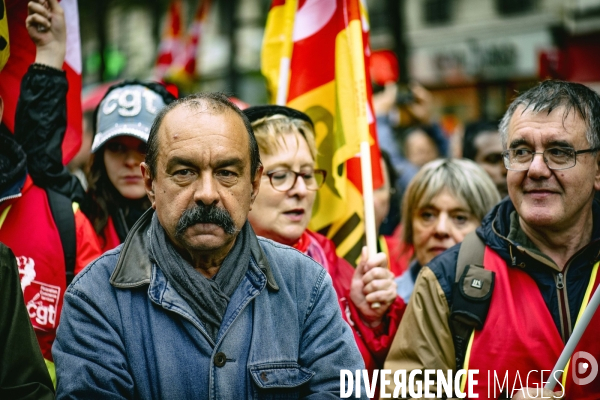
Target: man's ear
[[148, 183], [256, 184]]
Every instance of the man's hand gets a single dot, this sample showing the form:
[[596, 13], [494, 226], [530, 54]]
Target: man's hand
[[46, 27], [372, 283], [421, 108], [385, 100], [537, 393]]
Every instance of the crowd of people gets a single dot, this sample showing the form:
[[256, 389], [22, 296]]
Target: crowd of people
[[186, 268]]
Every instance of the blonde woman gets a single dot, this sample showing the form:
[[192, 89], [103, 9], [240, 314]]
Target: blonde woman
[[282, 210], [445, 201]]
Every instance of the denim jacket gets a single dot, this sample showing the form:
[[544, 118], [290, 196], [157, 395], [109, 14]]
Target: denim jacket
[[126, 333]]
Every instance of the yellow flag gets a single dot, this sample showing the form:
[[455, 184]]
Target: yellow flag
[[4, 43], [313, 59]]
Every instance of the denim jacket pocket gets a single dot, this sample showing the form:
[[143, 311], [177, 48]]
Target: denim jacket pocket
[[278, 380]]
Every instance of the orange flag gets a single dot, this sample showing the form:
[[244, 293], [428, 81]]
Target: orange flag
[[314, 56]]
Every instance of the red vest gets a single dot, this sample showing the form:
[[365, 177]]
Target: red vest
[[29, 230], [519, 336]]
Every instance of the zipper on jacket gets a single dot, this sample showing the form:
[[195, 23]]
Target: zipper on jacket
[[13, 196], [563, 305], [563, 297], [560, 281]]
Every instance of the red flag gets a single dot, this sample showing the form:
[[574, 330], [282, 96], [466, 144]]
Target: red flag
[[22, 55], [314, 58], [178, 49], [195, 33]]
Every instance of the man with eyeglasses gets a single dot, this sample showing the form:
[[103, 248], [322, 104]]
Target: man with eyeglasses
[[542, 245]]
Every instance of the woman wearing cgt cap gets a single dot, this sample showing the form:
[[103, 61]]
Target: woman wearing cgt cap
[[116, 197]]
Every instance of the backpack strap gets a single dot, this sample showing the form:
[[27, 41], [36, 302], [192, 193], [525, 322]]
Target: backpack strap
[[472, 293], [62, 212]]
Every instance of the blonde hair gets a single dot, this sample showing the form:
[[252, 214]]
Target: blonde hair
[[464, 179], [269, 129]]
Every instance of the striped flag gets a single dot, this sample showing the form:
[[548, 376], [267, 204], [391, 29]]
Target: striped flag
[[313, 58], [178, 49], [22, 55]]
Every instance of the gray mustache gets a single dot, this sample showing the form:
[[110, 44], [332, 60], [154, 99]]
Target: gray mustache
[[202, 214]]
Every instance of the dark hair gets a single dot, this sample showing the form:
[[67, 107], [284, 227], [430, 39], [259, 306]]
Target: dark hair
[[392, 174], [552, 94], [102, 198], [472, 131], [220, 102], [156, 87], [436, 138], [391, 220]]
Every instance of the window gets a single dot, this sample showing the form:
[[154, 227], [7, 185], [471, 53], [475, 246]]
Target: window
[[437, 11], [511, 7]]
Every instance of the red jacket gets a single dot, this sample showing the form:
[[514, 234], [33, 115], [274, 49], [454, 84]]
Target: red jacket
[[28, 228], [373, 343], [512, 345], [110, 238]]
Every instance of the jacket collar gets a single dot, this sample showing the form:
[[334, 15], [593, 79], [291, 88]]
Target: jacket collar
[[496, 230], [15, 190], [134, 267]]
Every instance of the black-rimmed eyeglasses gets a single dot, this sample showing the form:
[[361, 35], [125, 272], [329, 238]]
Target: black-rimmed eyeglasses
[[556, 158], [285, 179]]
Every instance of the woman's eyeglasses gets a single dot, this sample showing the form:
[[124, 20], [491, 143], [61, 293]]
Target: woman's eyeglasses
[[285, 179]]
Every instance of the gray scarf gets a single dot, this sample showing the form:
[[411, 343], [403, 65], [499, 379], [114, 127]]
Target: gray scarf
[[208, 298]]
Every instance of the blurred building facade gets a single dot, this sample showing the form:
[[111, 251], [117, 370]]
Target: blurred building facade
[[474, 54], [120, 40], [471, 54]]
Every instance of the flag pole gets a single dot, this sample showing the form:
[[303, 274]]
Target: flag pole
[[286, 59], [282, 85], [360, 86], [580, 327], [367, 184]]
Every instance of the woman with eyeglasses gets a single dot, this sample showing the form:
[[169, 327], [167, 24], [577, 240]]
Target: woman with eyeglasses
[[282, 210]]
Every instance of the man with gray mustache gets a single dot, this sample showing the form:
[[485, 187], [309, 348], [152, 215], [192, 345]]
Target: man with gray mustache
[[194, 305], [202, 214]]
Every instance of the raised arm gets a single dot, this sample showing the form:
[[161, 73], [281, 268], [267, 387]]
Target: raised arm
[[41, 117]]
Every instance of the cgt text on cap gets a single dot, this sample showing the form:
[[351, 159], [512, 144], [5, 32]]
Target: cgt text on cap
[[127, 111]]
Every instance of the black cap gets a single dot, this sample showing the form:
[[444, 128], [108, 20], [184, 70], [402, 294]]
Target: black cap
[[255, 113]]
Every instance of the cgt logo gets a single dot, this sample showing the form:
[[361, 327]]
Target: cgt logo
[[585, 368]]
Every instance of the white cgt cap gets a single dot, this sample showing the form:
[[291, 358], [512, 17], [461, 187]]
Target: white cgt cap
[[127, 111]]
